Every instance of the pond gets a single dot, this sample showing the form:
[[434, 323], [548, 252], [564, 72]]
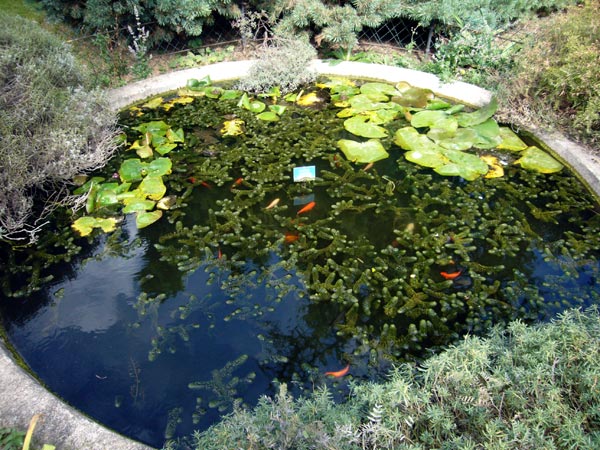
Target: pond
[[243, 241]]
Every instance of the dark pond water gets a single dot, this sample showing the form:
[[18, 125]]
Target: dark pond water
[[158, 331]]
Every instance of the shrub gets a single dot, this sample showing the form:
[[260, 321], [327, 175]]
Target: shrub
[[283, 63], [525, 387], [558, 73], [51, 127]]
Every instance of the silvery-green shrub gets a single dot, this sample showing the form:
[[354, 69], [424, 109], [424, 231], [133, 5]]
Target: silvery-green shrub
[[52, 126]]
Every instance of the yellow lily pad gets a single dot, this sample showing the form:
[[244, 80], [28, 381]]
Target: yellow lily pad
[[496, 169], [232, 127]]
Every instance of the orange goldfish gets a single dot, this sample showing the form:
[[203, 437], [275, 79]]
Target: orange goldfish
[[307, 207], [451, 275], [219, 254], [273, 204], [206, 185], [290, 237], [237, 182], [339, 373], [368, 166]]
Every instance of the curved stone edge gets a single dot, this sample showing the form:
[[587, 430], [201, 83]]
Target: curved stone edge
[[21, 396], [61, 425]]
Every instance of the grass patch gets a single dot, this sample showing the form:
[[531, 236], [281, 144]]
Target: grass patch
[[28, 9]]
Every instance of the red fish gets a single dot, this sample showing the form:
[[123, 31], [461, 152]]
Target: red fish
[[290, 237], [339, 373], [219, 254], [206, 185], [237, 182], [451, 275], [307, 207], [192, 180]]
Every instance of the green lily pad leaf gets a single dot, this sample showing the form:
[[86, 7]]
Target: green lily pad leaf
[[175, 135], [143, 219], [85, 188], [488, 134], [213, 91], [268, 116], [142, 149], [132, 170], [409, 138], [154, 103], [159, 167], [362, 152], [465, 165], [138, 204], [382, 116], [510, 140], [478, 116], [278, 109], [378, 90], [85, 225], [434, 119], [359, 126], [232, 127], [461, 139], [165, 148], [256, 106], [106, 195], [411, 96], [230, 94], [198, 85], [361, 103], [426, 157], [437, 104], [535, 159], [154, 127], [455, 109], [153, 187]]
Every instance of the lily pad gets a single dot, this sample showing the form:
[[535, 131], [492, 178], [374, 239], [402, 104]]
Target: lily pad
[[85, 225], [538, 160], [153, 187], [411, 96], [268, 116], [232, 127], [409, 138], [143, 219], [198, 85], [488, 134], [165, 148], [278, 109], [154, 103], [427, 157], [359, 126], [154, 127], [461, 139], [377, 90], [309, 99], [175, 135], [496, 169], [363, 152], [478, 116], [159, 167], [132, 170], [137, 205], [510, 140], [462, 164], [434, 119]]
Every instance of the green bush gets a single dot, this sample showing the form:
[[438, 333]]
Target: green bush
[[557, 74], [51, 127], [525, 387], [284, 64]]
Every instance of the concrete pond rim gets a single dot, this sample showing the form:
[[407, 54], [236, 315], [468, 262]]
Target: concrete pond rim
[[22, 395]]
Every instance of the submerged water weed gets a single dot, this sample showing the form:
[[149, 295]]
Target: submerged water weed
[[374, 261], [387, 277]]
